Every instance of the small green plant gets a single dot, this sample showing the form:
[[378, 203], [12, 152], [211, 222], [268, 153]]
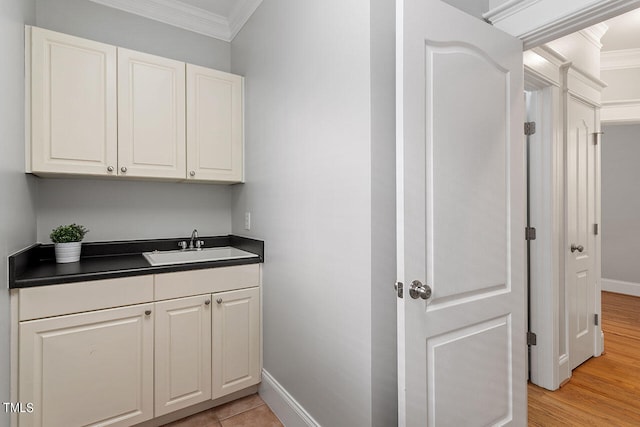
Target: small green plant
[[68, 233]]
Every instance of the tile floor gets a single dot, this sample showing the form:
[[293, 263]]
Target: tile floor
[[250, 411]]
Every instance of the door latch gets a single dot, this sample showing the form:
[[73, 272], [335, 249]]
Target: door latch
[[398, 286]]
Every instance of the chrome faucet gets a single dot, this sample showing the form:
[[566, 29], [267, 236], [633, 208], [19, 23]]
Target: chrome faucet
[[195, 243], [194, 236]]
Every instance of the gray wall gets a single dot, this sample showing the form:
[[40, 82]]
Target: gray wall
[[621, 203], [129, 209], [17, 220], [384, 381], [122, 210], [309, 181], [90, 20]]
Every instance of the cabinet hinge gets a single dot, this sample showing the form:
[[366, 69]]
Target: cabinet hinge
[[595, 229], [596, 319], [529, 128], [531, 338], [530, 233], [398, 286]]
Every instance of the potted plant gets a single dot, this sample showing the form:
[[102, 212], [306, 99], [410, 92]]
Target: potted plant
[[68, 242]]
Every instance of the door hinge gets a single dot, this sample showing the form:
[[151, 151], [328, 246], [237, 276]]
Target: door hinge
[[531, 338], [530, 233], [596, 136], [596, 319], [529, 128], [398, 286], [595, 229]]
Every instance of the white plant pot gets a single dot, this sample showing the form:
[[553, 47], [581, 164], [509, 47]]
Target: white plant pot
[[68, 252]]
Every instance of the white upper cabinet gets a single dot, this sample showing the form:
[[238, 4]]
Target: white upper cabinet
[[151, 116], [214, 125], [99, 110], [73, 105]]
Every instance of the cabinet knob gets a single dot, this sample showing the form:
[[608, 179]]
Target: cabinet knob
[[192, 173], [207, 302], [219, 300], [147, 312], [109, 168], [123, 169]]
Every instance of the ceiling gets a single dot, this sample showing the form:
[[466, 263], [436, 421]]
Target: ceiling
[[623, 32], [221, 19]]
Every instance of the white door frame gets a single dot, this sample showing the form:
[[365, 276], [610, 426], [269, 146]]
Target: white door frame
[[550, 82], [549, 359]]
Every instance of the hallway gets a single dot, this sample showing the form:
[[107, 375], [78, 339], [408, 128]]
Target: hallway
[[604, 391]]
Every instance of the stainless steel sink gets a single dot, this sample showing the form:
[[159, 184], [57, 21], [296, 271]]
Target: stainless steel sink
[[187, 256]]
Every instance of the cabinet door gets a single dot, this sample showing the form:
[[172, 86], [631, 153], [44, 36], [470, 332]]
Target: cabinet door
[[214, 125], [236, 341], [88, 369], [73, 105], [151, 116], [183, 353]]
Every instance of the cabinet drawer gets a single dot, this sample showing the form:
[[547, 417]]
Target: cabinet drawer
[[55, 300], [196, 282]]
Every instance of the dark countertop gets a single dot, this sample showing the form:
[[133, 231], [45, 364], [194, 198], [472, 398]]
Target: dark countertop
[[36, 265]]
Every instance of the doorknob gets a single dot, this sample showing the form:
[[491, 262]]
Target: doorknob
[[575, 247], [418, 290]]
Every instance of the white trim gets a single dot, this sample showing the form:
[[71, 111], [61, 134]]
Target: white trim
[[241, 14], [400, 200], [620, 59], [286, 408], [620, 111], [507, 9], [621, 287], [594, 34], [187, 17], [511, 15]]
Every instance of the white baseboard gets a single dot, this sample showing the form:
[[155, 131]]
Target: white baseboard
[[286, 408], [620, 287]]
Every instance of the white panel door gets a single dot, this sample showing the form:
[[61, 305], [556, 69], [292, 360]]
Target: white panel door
[[214, 125], [183, 353], [73, 119], [236, 341], [151, 116], [581, 217], [461, 211], [89, 369]]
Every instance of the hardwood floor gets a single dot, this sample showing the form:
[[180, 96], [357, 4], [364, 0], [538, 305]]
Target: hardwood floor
[[605, 390]]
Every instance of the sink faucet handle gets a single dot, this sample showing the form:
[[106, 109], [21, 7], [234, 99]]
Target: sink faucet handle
[[182, 245], [199, 244]]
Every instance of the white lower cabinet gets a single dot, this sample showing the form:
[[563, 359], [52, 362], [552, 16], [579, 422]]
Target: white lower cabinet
[[183, 353], [154, 355], [88, 369], [236, 341]]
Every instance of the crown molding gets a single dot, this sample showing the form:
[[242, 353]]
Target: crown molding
[[507, 9], [536, 22], [594, 34], [240, 14], [620, 112], [187, 17], [620, 59]]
